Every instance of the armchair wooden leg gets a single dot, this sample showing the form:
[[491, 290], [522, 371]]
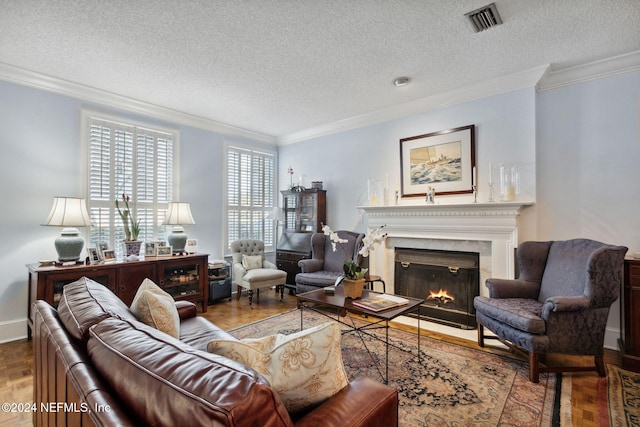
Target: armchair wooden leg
[[238, 292], [480, 335], [534, 367], [281, 291], [600, 366], [250, 292]]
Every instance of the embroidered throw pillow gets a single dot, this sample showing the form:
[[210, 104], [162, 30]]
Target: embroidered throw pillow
[[304, 368], [156, 308], [250, 262]]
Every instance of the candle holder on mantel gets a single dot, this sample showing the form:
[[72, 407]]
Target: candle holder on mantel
[[475, 193]]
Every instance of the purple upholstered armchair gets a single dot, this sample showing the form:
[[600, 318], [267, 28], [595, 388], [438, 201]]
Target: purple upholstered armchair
[[559, 304], [326, 265]]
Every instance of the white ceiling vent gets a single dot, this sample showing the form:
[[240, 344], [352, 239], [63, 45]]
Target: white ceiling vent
[[484, 18]]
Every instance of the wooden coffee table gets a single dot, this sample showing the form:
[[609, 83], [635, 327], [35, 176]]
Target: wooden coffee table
[[342, 307]]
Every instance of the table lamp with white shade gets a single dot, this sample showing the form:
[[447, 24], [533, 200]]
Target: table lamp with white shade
[[69, 212], [178, 214]]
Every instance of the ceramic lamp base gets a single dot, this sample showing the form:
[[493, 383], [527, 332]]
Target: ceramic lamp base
[[69, 245], [177, 239]]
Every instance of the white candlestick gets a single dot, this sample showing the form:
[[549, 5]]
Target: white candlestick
[[474, 178], [490, 173]]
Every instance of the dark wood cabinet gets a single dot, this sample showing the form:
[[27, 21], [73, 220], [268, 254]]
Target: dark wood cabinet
[[184, 277], [304, 214], [630, 316], [304, 211]]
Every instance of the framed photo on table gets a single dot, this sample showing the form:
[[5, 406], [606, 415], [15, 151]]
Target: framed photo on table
[[109, 255], [102, 246], [164, 251], [94, 256], [443, 160]]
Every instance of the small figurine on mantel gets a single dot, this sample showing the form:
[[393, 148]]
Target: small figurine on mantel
[[431, 195]]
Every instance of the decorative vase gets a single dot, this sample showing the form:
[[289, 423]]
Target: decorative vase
[[132, 247], [353, 288]]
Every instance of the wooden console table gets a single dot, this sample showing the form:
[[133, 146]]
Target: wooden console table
[[185, 277], [629, 342]]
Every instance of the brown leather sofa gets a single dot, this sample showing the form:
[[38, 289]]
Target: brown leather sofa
[[96, 365]]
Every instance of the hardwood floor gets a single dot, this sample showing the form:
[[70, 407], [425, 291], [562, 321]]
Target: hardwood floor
[[16, 359]]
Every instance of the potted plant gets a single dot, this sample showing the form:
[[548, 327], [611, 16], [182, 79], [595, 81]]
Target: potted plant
[[131, 227], [353, 278]]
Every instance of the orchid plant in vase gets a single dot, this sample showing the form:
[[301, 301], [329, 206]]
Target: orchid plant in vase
[[131, 225], [352, 270]]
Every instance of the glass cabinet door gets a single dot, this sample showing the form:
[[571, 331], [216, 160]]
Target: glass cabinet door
[[308, 212], [291, 222], [180, 280]]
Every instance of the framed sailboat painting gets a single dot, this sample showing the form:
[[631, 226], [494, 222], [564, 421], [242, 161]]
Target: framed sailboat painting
[[443, 161]]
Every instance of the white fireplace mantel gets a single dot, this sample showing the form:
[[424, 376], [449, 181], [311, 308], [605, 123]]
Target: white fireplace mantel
[[496, 223]]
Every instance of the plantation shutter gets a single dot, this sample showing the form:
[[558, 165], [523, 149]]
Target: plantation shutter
[[131, 160], [250, 195]]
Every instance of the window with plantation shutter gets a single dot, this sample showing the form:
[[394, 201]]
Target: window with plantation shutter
[[126, 158], [250, 195]]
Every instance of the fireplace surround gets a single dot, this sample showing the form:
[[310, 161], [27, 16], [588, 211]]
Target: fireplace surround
[[489, 229]]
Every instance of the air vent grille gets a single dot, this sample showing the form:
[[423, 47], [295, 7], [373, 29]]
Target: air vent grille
[[484, 18]]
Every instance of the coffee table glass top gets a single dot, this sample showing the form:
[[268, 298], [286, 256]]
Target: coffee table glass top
[[338, 300]]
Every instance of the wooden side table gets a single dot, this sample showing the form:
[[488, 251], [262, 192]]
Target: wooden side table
[[370, 280], [629, 342]]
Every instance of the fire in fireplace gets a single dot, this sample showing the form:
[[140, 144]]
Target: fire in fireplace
[[446, 280]]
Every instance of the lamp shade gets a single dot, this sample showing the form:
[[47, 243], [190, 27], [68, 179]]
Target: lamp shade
[[68, 212], [179, 213]]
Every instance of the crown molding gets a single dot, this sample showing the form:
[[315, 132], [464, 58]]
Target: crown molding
[[509, 83], [35, 80], [609, 67]]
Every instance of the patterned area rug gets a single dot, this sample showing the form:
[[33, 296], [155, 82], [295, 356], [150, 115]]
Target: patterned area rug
[[619, 398], [450, 385]]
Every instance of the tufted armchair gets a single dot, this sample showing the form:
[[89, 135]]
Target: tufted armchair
[[325, 264], [252, 271], [559, 303]]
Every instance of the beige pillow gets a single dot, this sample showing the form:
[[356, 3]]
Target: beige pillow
[[154, 307], [251, 262], [304, 368]]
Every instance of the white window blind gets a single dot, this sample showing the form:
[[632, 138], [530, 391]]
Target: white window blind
[[131, 160], [250, 195]]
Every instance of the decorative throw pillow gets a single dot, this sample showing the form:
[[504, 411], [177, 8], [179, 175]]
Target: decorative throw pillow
[[250, 262], [304, 368], [156, 308]]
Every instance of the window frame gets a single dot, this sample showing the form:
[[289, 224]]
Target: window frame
[[88, 116], [268, 211]]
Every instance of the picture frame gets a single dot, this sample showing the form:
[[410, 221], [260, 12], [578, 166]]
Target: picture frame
[[151, 248], [109, 255], [192, 246], [102, 246], [442, 160], [164, 251], [94, 256]]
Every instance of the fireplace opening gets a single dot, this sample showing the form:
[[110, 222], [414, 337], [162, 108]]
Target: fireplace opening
[[447, 281]]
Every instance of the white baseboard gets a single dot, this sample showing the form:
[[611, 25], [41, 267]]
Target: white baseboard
[[13, 330]]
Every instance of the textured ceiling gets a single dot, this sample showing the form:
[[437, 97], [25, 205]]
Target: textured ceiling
[[282, 66]]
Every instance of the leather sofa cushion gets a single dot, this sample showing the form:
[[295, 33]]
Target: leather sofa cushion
[[198, 331], [177, 384], [86, 302]]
